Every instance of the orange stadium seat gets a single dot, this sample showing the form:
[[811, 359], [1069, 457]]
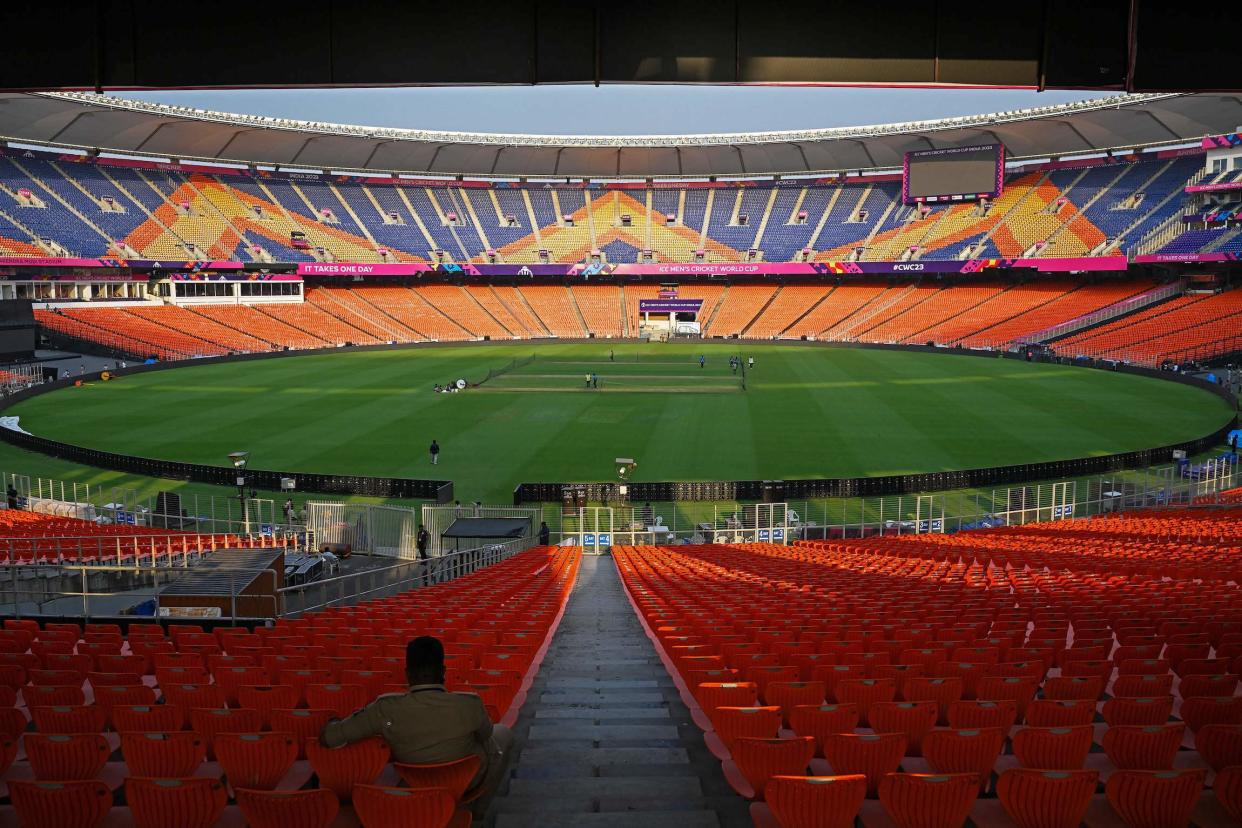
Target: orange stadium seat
[[1150, 799], [554, 306], [280, 809], [602, 308], [815, 801], [380, 807], [194, 802], [179, 753], [964, 751], [928, 801], [80, 804], [1136, 747], [739, 307], [758, 760], [1046, 799]]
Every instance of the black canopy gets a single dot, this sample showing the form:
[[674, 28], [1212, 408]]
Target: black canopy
[[488, 528]]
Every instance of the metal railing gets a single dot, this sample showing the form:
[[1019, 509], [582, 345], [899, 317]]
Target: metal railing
[[1203, 350], [1150, 297], [437, 519], [208, 514], [156, 550], [109, 592], [948, 511], [386, 581]]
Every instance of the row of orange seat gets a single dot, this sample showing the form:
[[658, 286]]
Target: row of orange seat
[[984, 315], [1173, 330], [34, 538], [900, 670], [187, 719]]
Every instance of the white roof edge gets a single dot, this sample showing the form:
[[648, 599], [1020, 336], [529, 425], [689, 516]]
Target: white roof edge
[[510, 140]]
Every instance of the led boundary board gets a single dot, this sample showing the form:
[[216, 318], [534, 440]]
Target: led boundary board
[[953, 174]]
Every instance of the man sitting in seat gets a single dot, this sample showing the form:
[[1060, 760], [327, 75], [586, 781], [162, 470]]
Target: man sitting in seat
[[428, 724]]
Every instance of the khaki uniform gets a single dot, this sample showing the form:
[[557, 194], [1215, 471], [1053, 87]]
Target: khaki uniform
[[428, 725]]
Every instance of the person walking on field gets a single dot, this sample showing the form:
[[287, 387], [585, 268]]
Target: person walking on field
[[750, 363], [435, 453], [702, 360], [595, 380], [588, 379]]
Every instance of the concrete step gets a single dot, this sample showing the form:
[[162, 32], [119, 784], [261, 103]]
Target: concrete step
[[604, 772], [579, 683], [649, 819], [618, 698], [626, 803], [544, 754], [602, 712], [604, 738], [599, 733], [612, 787]]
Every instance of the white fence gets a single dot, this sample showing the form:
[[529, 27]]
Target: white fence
[[389, 531], [118, 504]]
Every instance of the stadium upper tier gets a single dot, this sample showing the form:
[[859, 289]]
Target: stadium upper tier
[[67, 205], [93, 122]]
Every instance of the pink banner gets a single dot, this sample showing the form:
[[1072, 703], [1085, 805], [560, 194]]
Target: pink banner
[[1214, 188], [720, 269], [1156, 258], [52, 261], [349, 269], [1051, 265], [1093, 263]]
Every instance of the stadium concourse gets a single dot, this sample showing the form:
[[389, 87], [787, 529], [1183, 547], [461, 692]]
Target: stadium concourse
[[1081, 672]]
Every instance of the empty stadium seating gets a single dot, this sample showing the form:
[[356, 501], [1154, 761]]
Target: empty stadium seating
[[85, 748], [972, 314], [37, 538], [1008, 620], [1179, 330], [87, 207]]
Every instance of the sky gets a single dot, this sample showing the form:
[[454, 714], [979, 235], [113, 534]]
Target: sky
[[613, 109]]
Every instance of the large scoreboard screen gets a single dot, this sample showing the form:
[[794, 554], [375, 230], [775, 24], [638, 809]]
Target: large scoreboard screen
[[953, 174]]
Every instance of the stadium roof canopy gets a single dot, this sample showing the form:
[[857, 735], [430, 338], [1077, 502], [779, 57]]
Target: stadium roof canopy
[[92, 122], [1124, 45]]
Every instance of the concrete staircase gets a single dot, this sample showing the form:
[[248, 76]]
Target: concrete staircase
[[55, 196], [604, 740], [823, 219]]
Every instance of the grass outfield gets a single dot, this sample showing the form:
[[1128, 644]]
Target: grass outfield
[[806, 412]]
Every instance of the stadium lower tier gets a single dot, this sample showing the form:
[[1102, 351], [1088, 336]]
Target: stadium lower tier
[[1076, 673], [155, 717], [977, 315], [1063, 674]]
